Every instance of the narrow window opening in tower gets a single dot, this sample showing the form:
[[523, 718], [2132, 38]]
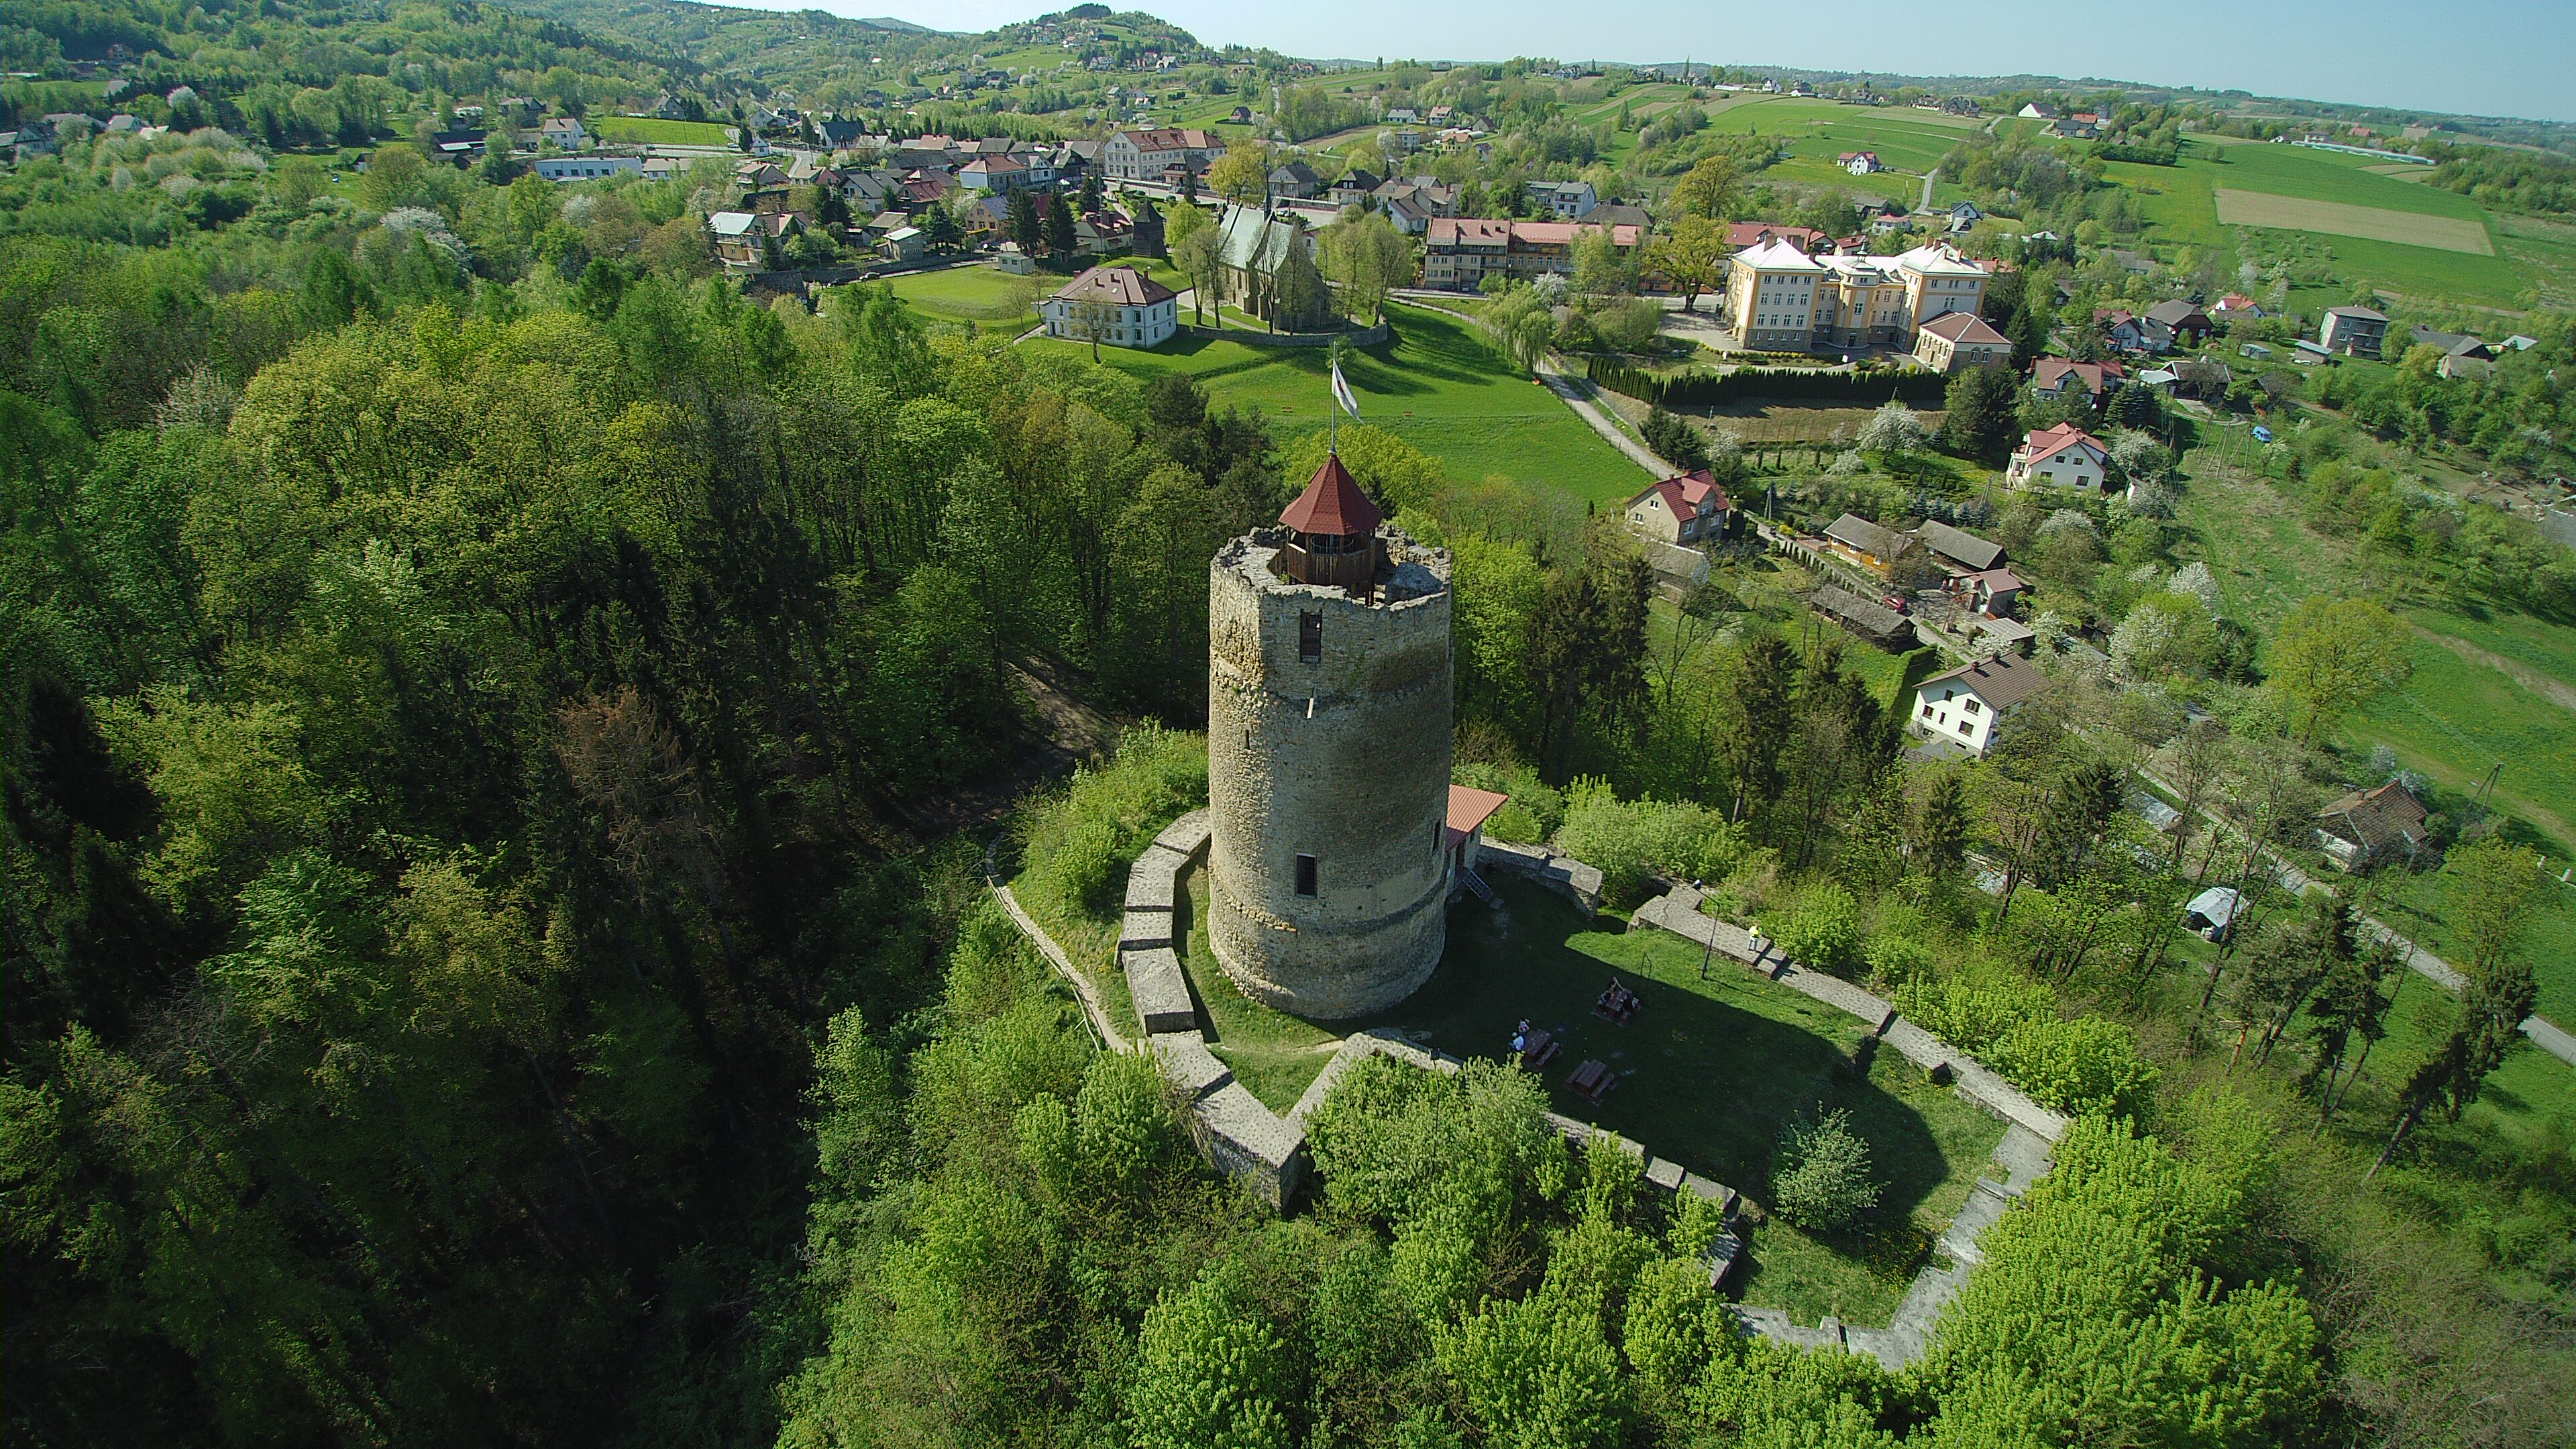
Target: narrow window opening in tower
[[1310, 636], [1305, 875]]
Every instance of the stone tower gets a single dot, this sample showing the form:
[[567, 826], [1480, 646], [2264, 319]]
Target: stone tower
[[1329, 683]]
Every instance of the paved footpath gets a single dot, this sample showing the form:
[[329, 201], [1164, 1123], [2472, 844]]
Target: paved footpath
[[2545, 1034]]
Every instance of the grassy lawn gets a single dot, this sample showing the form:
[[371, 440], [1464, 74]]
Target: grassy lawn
[[1275, 1055], [985, 295], [1713, 1073], [652, 131], [1433, 384], [2460, 714]]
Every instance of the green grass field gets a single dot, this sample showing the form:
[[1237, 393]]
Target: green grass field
[[1434, 385], [2181, 208], [1273, 1054], [985, 296], [650, 131], [1713, 1073]]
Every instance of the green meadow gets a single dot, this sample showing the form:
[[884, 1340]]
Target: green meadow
[[1434, 385], [648, 130]]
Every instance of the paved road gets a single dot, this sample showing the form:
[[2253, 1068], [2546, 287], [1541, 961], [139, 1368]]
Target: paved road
[[1571, 393], [1928, 178]]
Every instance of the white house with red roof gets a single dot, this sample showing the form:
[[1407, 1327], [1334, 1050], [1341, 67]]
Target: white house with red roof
[[1687, 509], [2234, 307], [2064, 456], [1859, 163]]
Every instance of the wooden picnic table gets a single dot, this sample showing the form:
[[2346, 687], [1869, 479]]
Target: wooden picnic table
[[1538, 1048], [1593, 1080]]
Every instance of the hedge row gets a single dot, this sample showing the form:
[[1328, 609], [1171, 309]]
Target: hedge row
[[1707, 389]]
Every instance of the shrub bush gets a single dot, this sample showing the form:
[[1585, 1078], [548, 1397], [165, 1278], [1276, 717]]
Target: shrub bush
[[1633, 841], [1078, 842], [1824, 1183], [2087, 1066], [1823, 930], [1972, 1008]]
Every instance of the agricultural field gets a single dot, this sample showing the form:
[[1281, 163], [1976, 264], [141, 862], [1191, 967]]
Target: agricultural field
[[651, 131], [1434, 385], [2394, 233]]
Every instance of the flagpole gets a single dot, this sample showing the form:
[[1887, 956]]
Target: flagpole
[[1333, 403]]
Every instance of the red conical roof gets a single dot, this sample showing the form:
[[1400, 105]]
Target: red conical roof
[[1333, 504]]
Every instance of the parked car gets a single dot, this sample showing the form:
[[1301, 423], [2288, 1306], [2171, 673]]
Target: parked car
[[1898, 602], [2262, 434]]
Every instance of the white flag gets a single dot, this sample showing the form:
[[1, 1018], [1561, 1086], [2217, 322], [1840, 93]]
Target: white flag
[[1342, 393]]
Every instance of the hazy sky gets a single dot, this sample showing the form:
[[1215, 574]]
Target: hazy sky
[[2479, 57]]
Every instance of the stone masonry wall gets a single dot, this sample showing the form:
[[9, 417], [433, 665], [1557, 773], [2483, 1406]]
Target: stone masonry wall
[[1346, 759]]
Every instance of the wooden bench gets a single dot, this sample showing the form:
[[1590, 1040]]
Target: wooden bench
[[1538, 1048]]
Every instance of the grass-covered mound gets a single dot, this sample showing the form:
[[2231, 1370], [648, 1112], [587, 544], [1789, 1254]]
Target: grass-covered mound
[[1077, 841]]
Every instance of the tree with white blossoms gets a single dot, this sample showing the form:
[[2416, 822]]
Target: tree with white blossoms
[[2151, 500], [2048, 629], [2196, 580], [2064, 519], [2140, 458], [1894, 428], [1847, 463], [2166, 633]]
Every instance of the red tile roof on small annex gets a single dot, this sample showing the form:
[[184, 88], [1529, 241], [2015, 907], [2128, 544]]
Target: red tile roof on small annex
[[1470, 807], [1333, 504]]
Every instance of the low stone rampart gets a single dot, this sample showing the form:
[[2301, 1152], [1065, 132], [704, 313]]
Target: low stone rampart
[[1562, 874]]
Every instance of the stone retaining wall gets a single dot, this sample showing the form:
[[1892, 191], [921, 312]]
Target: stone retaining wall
[[1562, 874], [1364, 337], [1246, 1141]]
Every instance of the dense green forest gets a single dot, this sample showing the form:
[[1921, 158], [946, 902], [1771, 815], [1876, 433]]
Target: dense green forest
[[500, 733]]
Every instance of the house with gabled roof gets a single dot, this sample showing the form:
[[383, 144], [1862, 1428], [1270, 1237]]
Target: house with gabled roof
[[2184, 319], [1686, 509], [2050, 377], [1959, 550], [2064, 456], [1113, 305], [1959, 340], [1872, 546], [1975, 705], [2369, 826]]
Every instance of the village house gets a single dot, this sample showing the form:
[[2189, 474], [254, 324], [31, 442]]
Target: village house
[[2190, 325], [999, 175], [1567, 200], [1148, 154], [738, 236], [2353, 331], [1974, 705], [1741, 235], [2236, 307], [2051, 377], [1961, 340], [1356, 185], [2064, 456], [1458, 253], [1114, 305], [586, 168], [1870, 546], [1686, 509], [2367, 827], [1859, 163], [563, 133], [1295, 180], [2124, 329], [904, 244]]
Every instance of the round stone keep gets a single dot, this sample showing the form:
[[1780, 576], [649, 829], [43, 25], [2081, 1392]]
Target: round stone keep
[[1329, 709]]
